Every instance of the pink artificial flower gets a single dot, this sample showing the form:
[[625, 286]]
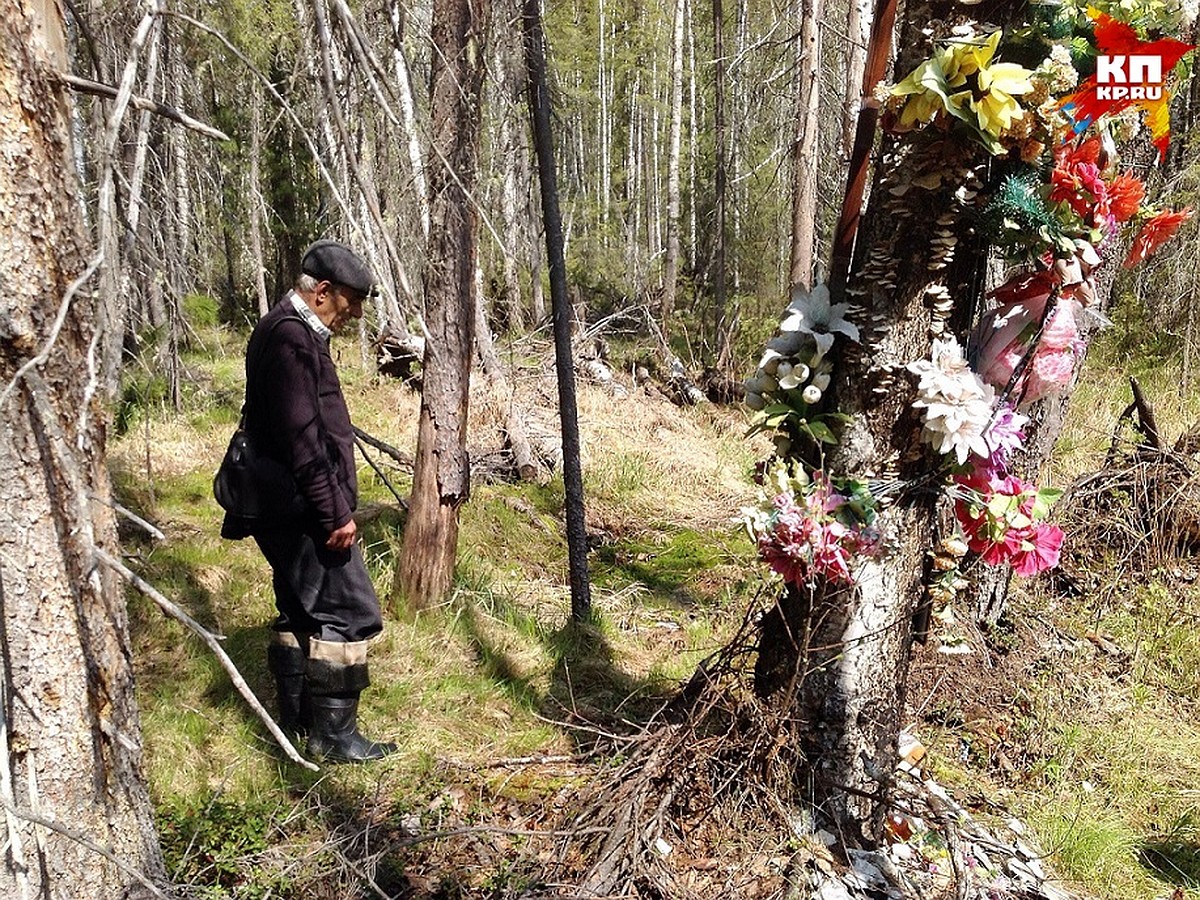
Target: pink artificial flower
[[1040, 549], [1048, 372], [1061, 330]]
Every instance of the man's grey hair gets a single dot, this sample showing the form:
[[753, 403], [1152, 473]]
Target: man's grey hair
[[306, 283]]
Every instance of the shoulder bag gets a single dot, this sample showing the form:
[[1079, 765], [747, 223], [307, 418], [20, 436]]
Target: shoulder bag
[[253, 486]]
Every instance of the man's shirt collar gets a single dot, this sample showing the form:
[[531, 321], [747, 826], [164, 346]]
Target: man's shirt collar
[[309, 316]]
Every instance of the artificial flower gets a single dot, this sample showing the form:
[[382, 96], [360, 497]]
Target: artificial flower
[[1004, 434], [957, 404], [1001, 517], [996, 107], [1049, 372], [1157, 230], [811, 313], [1125, 195], [812, 527], [1040, 547]]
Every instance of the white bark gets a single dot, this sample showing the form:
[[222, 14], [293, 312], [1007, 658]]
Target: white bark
[[671, 265]]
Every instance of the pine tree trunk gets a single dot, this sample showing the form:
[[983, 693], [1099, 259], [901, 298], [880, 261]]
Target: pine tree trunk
[[70, 743], [441, 473]]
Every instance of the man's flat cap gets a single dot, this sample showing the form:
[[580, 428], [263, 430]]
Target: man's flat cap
[[331, 261]]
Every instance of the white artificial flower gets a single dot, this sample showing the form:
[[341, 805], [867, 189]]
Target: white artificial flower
[[957, 403], [811, 394], [770, 361], [947, 375], [958, 428], [811, 313]]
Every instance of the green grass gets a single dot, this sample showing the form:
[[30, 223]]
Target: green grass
[[1109, 779], [481, 678]]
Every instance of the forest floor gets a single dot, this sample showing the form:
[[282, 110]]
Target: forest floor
[[1076, 716]]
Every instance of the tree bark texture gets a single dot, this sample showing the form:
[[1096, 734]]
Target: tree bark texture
[[70, 744], [805, 166], [543, 141], [847, 650], [719, 165], [441, 473]]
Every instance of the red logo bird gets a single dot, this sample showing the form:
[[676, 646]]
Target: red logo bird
[[1129, 72]]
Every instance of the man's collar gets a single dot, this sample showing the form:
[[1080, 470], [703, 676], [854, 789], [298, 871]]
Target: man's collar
[[309, 316]]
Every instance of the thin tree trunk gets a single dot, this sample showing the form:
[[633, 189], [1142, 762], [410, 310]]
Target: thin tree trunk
[[671, 264], [70, 743], [719, 173], [543, 139], [805, 167], [254, 199], [858, 35], [409, 114], [441, 472], [509, 72], [603, 116]]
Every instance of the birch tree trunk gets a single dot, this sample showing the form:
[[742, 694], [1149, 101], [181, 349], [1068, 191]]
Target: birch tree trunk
[[671, 264], [719, 172], [846, 651], [858, 31], [441, 472], [805, 167], [70, 744]]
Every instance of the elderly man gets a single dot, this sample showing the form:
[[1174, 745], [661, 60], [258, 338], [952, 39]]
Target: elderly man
[[296, 415]]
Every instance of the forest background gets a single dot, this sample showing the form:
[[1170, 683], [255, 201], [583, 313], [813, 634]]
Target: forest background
[[684, 155]]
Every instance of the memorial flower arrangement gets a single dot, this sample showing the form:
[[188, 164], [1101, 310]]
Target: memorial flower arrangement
[[810, 525], [1057, 198]]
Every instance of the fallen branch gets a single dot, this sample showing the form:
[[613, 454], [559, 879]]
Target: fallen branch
[[96, 89], [401, 458], [378, 471], [213, 644], [133, 517]]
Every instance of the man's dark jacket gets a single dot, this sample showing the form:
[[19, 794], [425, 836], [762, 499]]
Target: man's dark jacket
[[296, 414]]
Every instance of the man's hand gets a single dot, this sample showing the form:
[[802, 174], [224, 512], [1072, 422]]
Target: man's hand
[[342, 538]]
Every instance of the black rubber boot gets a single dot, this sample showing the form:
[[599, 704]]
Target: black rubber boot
[[335, 736], [289, 665], [334, 687]]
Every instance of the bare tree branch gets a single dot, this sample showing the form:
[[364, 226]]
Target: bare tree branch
[[96, 89], [213, 644]]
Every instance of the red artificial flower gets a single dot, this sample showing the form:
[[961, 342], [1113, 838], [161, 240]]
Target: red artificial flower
[[1125, 195], [1087, 152], [1041, 546], [1155, 232], [1080, 185]]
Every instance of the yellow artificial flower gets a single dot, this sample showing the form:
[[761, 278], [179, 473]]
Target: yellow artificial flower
[[963, 60], [923, 101], [996, 107]]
